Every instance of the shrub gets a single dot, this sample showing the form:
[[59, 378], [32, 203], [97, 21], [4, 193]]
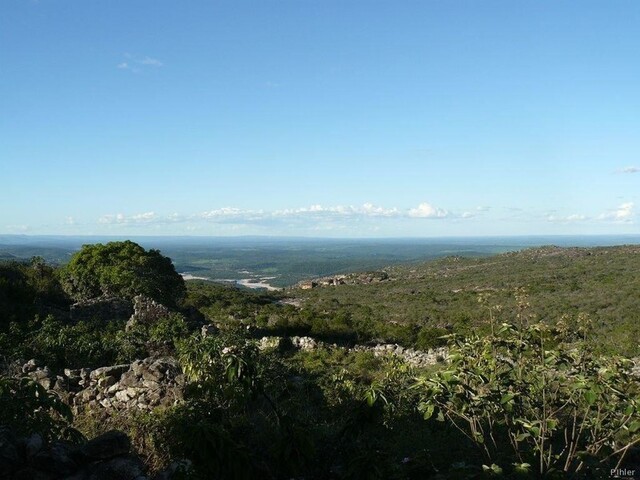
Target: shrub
[[122, 269], [27, 407], [530, 396]]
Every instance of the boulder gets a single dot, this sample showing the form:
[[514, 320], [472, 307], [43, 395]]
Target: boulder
[[108, 445]]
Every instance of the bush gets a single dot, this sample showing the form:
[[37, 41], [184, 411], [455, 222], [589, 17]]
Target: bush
[[532, 398], [123, 269], [27, 407]]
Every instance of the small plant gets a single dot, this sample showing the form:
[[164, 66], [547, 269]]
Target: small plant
[[27, 407]]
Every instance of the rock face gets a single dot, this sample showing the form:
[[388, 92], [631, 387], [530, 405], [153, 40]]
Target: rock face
[[104, 308], [143, 384], [106, 457], [146, 311]]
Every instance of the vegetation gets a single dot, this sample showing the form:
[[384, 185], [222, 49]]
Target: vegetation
[[529, 389], [422, 300], [535, 399], [122, 269]]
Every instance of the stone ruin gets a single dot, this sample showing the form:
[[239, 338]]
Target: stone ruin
[[143, 384], [146, 311], [416, 358], [142, 310], [109, 308]]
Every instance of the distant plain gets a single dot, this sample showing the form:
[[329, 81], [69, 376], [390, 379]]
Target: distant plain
[[284, 261]]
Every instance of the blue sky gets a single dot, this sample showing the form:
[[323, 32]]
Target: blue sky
[[319, 118]]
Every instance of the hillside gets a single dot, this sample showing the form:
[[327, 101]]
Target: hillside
[[443, 294], [113, 367]]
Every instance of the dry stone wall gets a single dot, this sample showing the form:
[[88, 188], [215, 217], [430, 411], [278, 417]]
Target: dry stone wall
[[143, 384], [416, 358], [105, 308]]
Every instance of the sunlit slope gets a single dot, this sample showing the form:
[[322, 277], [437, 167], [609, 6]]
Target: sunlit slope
[[446, 294]]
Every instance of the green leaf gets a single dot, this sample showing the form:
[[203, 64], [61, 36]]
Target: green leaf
[[522, 467], [427, 411], [590, 396], [493, 468], [507, 397], [634, 426], [535, 431]]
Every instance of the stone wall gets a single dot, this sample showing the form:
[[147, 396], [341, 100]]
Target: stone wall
[[146, 311], [416, 358], [143, 384], [103, 308]]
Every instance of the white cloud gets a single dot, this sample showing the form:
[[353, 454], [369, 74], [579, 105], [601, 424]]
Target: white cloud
[[225, 212], [426, 210], [623, 213], [154, 62], [143, 217], [373, 211], [112, 219], [366, 210], [630, 170], [137, 64], [312, 216], [568, 219], [146, 218]]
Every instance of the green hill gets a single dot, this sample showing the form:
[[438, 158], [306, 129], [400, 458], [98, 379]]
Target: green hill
[[444, 294]]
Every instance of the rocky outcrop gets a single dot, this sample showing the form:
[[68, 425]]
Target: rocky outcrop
[[146, 311], [143, 384], [103, 308], [416, 358], [349, 279], [106, 457]]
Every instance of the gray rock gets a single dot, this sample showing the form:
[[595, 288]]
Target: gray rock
[[106, 382], [114, 371], [30, 366], [177, 469], [57, 459], [9, 457], [208, 330], [146, 311], [108, 445], [33, 444], [30, 473], [104, 308], [121, 468]]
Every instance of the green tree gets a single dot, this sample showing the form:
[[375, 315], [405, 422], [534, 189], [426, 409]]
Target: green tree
[[122, 269]]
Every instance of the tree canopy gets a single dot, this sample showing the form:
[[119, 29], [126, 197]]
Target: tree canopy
[[122, 269]]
